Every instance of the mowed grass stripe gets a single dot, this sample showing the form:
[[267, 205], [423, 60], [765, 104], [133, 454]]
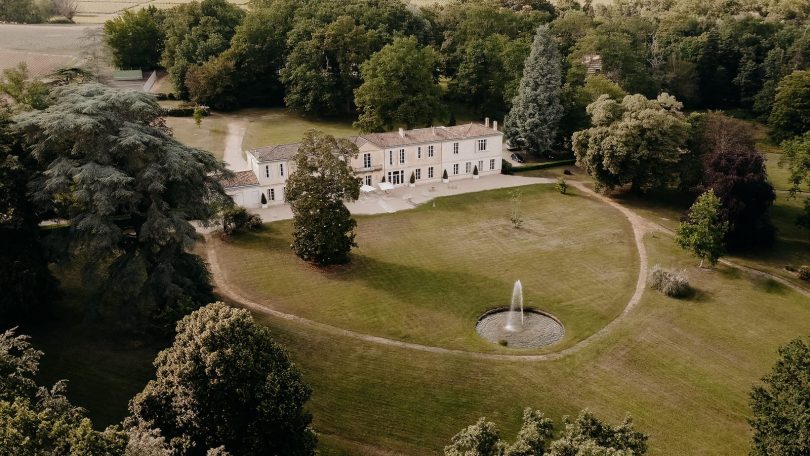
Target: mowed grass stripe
[[426, 275], [683, 369]]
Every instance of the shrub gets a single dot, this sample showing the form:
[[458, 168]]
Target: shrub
[[674, 284], [475, 170], [444, 175], [238, 220], [561, 186], [413, 178], [804, 273], [264, 199], [185, 111], [506, 167]]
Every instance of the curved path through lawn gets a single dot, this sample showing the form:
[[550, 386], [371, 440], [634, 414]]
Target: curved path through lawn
[[640, 227]]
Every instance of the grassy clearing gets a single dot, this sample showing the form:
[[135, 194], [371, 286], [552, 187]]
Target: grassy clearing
[[281, 126], [426, 275], [779, 176], [683, 369], [210, 136]]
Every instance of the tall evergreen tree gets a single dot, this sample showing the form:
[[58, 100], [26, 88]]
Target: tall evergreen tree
[[316, 190], [129, 191], [536, 110], [25, 279]]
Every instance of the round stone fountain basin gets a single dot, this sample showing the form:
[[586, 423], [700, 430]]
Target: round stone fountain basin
[[539, 329]]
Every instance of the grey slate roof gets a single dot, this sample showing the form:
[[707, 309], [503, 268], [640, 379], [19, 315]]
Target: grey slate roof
[[430, 134], [276, 152], [387, 139], [240, 179]]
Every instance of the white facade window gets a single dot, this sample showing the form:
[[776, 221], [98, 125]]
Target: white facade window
[[390, 157], [271, 194], [455, 168], [366, 160], [480, 165], [492, 163], [430, 173], [368, 180], [281, 169], [418, 173], [396, 177], [455, 148], [419, 152], [402, 155], [267, 170], [430, 151], [468, 168], [482, 144]]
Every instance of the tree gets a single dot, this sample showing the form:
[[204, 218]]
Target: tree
[[791, 107], [536, 110], [702, 232], [534, 436], [35, 420], [27, 283], [316, 190], [399, 87], [636, 141], [27, 93], [796, 154], [782, 403], [489, 73], [212, 83], [587, 435], [136, 38], [735, 171], [576, 99], [129, 192], [225, 382], [479, 439], [196, 32], [24, 11]]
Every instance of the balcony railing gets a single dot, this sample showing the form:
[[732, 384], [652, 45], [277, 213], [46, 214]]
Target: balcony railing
[[363, 169]]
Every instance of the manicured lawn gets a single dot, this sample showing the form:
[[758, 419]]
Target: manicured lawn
[[779, 176], [427, 274], [209, 136], [683, 369], [281, 126]]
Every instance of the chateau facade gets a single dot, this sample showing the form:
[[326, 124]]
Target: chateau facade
[[391, 157]]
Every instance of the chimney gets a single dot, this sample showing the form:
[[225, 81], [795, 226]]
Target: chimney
[[401, 133], [495, 125], [486, 122], [433, 130]]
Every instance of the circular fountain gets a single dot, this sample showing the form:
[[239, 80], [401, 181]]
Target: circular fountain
[[518, 327]]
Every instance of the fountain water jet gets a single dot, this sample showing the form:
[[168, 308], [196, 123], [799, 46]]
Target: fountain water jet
[[534, 329], [517, 300]]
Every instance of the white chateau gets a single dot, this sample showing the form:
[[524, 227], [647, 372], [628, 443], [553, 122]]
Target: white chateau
[[424, 152]]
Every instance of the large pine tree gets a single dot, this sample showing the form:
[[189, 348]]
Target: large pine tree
[[129, 191], [536, 110]]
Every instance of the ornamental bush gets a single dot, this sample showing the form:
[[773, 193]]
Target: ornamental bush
[[804, 273], [672, 283], [238, 220]]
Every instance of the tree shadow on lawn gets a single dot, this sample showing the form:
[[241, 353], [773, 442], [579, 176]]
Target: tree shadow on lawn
[[427, 288]]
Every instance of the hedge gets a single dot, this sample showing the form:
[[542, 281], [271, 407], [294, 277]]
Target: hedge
[[185, 111], [546, 165]]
